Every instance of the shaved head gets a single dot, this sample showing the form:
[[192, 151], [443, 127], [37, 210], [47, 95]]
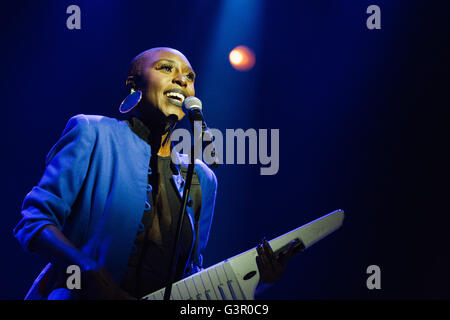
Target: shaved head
[[139, 63], [165, 78]]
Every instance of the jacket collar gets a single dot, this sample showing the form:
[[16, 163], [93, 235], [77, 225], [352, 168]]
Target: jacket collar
[[139, 128], [179, 161]]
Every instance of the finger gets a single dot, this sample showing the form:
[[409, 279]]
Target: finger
[[264, 274], [274, 263], [269, 250], [263, 271], [290, 252], [291, 249], [264, 259], [298, 246], [260, 267], [258, 257]]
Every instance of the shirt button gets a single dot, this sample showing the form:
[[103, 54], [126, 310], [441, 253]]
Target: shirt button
[[149, 187], [149, 171], [147, 206], [141, 227]]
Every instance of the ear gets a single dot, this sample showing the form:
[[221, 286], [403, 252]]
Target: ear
[[131, 83]]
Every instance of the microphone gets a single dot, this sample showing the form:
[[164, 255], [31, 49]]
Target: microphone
[[193, 108]]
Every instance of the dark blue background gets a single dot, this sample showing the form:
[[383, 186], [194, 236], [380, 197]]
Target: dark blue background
[[360, 114]]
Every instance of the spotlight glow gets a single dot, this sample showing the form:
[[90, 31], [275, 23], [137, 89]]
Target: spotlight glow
[[242, 58], [236, 57]]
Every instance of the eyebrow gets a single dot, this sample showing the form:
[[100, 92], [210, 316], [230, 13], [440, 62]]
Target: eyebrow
[[174, 62]]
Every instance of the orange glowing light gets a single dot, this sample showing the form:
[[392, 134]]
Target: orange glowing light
[[242, 58]]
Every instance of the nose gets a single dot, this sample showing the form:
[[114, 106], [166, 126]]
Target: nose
[[180, 80]]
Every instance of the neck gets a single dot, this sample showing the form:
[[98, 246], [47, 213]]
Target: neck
[[159, 127], [164, 150]]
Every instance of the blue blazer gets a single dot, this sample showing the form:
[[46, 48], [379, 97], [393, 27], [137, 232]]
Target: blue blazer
[[94, 190]]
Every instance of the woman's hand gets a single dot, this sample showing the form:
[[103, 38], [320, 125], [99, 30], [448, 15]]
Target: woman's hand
[[97, 283], [271, 268]]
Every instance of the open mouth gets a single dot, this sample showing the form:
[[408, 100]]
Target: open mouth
[[175, 97]]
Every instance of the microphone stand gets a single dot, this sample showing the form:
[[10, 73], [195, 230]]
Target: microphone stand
[[187, 189], [177, 244]]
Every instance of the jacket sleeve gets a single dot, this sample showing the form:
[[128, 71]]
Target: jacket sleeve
[[51, 200]]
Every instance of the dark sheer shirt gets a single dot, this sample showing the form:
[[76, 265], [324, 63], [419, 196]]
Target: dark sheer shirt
[[149, 264]]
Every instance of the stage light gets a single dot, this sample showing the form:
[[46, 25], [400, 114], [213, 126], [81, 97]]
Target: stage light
[[236, 57], [242, 58]]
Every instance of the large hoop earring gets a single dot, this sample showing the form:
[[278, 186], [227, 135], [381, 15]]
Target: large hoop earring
[[130, 101]]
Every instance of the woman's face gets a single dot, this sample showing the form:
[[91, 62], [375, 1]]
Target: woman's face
[[167, 79]]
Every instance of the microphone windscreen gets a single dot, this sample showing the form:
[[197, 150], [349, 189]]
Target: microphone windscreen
[[192, 102]]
